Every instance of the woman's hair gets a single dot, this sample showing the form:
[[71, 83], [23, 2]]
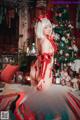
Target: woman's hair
[[40, 26]]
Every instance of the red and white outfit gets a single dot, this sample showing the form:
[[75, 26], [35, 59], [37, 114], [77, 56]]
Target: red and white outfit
[[46, 60]]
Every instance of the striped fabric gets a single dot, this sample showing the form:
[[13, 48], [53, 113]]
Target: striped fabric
[[74, 104]]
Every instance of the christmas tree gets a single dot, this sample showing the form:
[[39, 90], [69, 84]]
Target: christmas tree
[[64, 37]]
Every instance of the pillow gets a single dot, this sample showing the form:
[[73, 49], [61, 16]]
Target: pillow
[[8, 72]]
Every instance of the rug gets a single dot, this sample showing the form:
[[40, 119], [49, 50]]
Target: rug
[[6, 100], [17, 109]]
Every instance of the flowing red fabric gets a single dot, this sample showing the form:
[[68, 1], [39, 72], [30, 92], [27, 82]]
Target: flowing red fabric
[[54, 45]]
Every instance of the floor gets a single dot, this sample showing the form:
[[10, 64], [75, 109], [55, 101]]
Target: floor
[[50, 101]]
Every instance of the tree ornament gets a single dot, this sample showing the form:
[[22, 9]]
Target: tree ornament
[[65, 59], [67, 54], [63, 38], [70, 48], [74, 47], [62, 44], [55, 61], [70, 26], [68, 35], [73, 42], [61, 52], [57, 36], [53, 25], [60, 14], [66, 41]]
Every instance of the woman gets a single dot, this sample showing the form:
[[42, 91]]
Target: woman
[[42, 68]]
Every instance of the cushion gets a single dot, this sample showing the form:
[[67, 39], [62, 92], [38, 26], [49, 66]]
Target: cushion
[[8, 72]]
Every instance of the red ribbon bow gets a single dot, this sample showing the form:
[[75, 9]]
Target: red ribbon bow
[[41, 17]]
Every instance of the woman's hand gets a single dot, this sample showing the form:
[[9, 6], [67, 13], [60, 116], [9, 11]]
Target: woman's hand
[[40, 84]]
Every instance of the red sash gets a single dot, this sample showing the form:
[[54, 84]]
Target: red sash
[[54, 45]]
